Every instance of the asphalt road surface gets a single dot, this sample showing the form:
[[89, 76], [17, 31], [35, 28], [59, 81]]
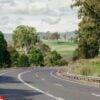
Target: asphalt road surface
[[42, 84]]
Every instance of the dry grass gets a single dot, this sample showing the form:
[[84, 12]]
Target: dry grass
[[87, 67]]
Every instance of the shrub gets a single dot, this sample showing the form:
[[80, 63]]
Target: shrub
[[23, 61], [54, 59], [61, 63], [36, 57], [55, 56]]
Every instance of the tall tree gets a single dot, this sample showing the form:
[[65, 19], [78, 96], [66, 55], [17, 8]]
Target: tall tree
[[25, 37], [4, 54], [65, 36], [89, 27]]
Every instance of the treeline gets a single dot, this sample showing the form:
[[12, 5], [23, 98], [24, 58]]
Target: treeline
[[27, 50], [58, 36]]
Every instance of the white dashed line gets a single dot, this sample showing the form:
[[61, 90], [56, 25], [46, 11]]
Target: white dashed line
[[43, 79], [58, 84], [37, 89]]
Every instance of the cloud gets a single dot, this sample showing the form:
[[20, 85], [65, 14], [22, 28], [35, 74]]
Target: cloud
[[52, 20], [15, 8], [32, 12], [7, 2], [4, 20]]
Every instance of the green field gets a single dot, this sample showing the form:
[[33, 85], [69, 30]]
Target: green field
[[65, 48]]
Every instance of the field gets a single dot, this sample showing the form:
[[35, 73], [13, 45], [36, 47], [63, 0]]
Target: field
[[65, 48]]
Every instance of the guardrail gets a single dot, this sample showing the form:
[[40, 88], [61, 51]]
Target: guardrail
[[81, 77]]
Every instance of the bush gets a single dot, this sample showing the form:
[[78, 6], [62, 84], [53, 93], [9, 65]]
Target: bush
[[36, 57], [23, 61], [61, 63], [55, 56], [54, 59]]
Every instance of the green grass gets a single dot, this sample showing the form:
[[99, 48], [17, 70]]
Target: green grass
[[65, 48]]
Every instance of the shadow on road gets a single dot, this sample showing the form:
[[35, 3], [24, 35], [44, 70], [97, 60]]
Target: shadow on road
[[12, 89], [9, 79], [18, 94]]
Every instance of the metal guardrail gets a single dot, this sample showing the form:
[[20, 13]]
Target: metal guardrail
[[81, 77]]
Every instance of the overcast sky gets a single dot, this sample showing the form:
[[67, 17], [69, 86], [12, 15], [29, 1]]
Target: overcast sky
[[44, 15]]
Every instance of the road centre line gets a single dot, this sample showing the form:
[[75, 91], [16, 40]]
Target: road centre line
[[43, 79], [58, 84]]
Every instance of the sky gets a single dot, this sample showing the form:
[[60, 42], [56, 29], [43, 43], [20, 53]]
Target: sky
[[44, 15]]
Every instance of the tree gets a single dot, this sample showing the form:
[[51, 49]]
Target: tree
[[55, 36], [14, 55], [47, 35], [35, 57], [25, 37], [89, 27], [65, 36], [4, 54], [88, 47], [43, 48]]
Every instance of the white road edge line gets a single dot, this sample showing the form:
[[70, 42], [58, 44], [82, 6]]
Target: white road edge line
[[35, 88], [51, 73], [97, 95]]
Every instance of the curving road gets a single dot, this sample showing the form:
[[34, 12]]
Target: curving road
[[42, 84]]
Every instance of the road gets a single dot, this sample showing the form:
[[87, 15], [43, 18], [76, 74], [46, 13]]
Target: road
[[42, 84]]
